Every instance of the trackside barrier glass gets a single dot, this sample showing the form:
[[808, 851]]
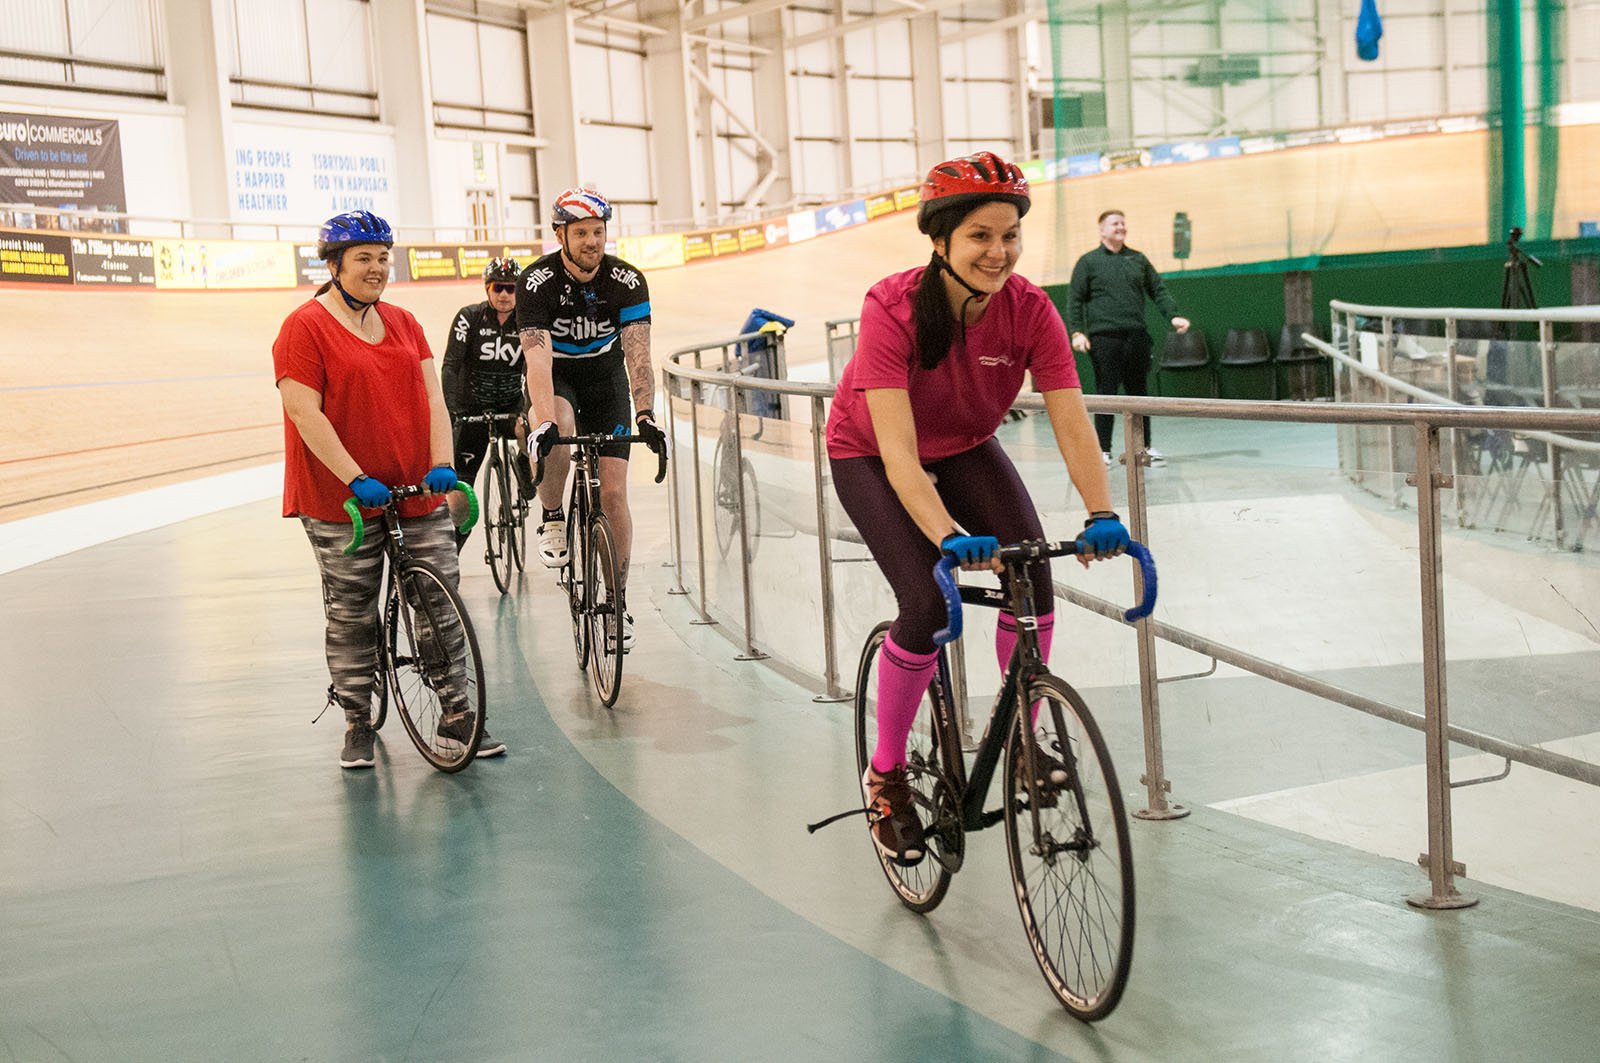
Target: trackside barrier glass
[[1330, 594]]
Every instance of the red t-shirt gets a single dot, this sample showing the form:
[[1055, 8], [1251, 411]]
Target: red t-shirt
[[375, 398], [959, 404]]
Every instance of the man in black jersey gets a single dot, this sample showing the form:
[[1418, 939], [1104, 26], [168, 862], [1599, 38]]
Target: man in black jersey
[[483, 373], [584, 317]]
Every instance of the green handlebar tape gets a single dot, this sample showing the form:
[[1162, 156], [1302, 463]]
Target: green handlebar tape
[[472, 507], [358, 527]]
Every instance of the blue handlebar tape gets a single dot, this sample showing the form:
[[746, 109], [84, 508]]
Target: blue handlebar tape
[[952, 599], [358, 527], [1147, 567]]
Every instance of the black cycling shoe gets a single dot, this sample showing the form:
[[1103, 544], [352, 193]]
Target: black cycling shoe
[[892, 813]]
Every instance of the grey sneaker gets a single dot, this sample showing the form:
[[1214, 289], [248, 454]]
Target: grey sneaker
[[357, 752], [488, 747]]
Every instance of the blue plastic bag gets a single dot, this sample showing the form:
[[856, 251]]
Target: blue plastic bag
[[1369, 28]]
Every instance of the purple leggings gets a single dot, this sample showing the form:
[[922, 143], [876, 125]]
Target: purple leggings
[[981, 489]]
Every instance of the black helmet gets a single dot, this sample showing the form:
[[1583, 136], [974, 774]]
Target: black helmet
[[501, 269]]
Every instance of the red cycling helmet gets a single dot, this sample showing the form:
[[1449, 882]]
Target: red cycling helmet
[[969, 180]]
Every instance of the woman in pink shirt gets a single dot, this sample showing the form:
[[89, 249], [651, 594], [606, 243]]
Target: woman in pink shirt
[[943, 352]]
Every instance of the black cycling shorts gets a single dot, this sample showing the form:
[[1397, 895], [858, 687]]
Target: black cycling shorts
[[600, 401]]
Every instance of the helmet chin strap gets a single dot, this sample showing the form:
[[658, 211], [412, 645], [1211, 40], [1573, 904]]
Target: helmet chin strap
[[945, 265]]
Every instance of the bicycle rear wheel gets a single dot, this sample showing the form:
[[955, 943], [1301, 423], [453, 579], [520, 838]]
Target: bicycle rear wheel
[[518, 509], [496, 522], [435, 671], [923, 886], [604, 613], [1071, 858]]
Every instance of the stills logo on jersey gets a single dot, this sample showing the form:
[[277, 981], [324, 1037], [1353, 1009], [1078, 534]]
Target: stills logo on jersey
[[625, 277], [581, 329], [538, 277]]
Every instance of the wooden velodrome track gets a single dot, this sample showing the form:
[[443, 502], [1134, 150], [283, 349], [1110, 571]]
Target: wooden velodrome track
[[108, 392]]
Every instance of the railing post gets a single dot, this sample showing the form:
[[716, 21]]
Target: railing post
[[750, 652], [673, 504], [830, 652], [1547, 369], [699, 506], [1155, 781]]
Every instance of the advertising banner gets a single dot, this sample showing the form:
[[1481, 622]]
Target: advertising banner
[[841, 216], [431, 262], [776, 232], [1085, 165], [652, 252], [906, 198], [752, 238], [878, 206], [802, 226], [725, 242], [695, 246], [65, 163], [294, 175], [113, 260], [1034, 171], [37, 258], [472, 261], [225, 264]]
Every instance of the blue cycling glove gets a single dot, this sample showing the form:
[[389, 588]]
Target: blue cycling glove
[[972, 547], [1103, 535], [440, 479], [369, 492]]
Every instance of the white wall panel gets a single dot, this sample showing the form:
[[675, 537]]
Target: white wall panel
[[814, 108], [503, 58], [123, 30], [340, 43], [592, 95], [453, 60], [630, 100], [270, 40], [616, 161], [34, 26]]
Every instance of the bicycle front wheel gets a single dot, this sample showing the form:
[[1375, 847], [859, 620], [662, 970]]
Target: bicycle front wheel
[[573, 576], [605, 612], [1071, 858], [496, 521], [435, 670], [924, 885], [517, 516]]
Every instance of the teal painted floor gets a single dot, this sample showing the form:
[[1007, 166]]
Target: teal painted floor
[[186, 874]]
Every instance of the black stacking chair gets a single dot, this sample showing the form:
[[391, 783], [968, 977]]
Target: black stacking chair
[[1245, 369], [1185, 367], [1300, 366]]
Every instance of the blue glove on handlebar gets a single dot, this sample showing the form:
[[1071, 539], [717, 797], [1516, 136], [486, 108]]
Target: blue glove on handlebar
[[440, 478], [1103, 536], [974, 547], [369, 492]]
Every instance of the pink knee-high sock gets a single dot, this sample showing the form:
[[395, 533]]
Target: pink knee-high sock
[[1005, 641], [903, 678]]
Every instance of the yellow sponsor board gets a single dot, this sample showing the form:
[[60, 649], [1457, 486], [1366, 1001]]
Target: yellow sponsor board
[[907, 197], [725, 242], [224, 264], [696, 245], [472, 261], [431, 262], [878, 206], [752, 238], [652, 252]]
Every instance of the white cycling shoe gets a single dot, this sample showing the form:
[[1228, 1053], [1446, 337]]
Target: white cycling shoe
[[553, 543]]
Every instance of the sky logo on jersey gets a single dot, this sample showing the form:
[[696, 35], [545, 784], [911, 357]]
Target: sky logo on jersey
[[500, 349]]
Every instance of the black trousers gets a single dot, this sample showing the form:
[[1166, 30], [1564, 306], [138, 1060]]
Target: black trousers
[[1121, 364]]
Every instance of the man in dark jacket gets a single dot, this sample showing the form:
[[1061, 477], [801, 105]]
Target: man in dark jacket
[[1106, 319]]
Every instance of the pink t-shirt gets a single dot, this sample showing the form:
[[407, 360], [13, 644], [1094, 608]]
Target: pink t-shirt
[[959, 404]]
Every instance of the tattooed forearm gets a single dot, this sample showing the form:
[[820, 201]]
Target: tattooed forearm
[[636, 355]]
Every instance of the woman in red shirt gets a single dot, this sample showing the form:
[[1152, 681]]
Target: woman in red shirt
[[943, 352], [363, 409]]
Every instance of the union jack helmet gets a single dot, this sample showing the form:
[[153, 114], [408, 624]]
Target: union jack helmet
[[580, 204], [969, 180]]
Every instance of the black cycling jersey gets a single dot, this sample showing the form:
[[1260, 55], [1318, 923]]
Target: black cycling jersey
[[585, 320], [483, 363]]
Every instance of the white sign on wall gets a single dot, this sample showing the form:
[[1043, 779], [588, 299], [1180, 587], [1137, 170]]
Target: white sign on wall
[[302, 176]]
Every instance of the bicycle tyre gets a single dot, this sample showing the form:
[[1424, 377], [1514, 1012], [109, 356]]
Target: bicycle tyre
[[1077, 904], [725, 515], [518, 515], [496, 532], [424, 669], [380, 679], [577, 590], [922, 887], [604, 612]]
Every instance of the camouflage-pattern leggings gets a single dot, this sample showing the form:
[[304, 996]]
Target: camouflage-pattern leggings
[[350, 588]]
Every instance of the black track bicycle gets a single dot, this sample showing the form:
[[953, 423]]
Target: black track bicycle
[[591, 576], [1066, 829], [505, 510], [428, 661]]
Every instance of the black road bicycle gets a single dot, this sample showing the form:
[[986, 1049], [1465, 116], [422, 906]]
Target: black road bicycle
[[505, 510], [428, 660], [1066, 830], [591, 575]]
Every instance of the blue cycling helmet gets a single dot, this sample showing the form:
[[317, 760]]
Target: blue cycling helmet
[[351, 228]]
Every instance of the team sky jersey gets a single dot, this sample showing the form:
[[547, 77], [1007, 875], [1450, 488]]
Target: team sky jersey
[[959, 404], [584, 319], [482, 363]]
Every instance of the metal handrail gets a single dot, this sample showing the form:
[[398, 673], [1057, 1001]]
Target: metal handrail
[[1425, 420], [1414, 313]]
